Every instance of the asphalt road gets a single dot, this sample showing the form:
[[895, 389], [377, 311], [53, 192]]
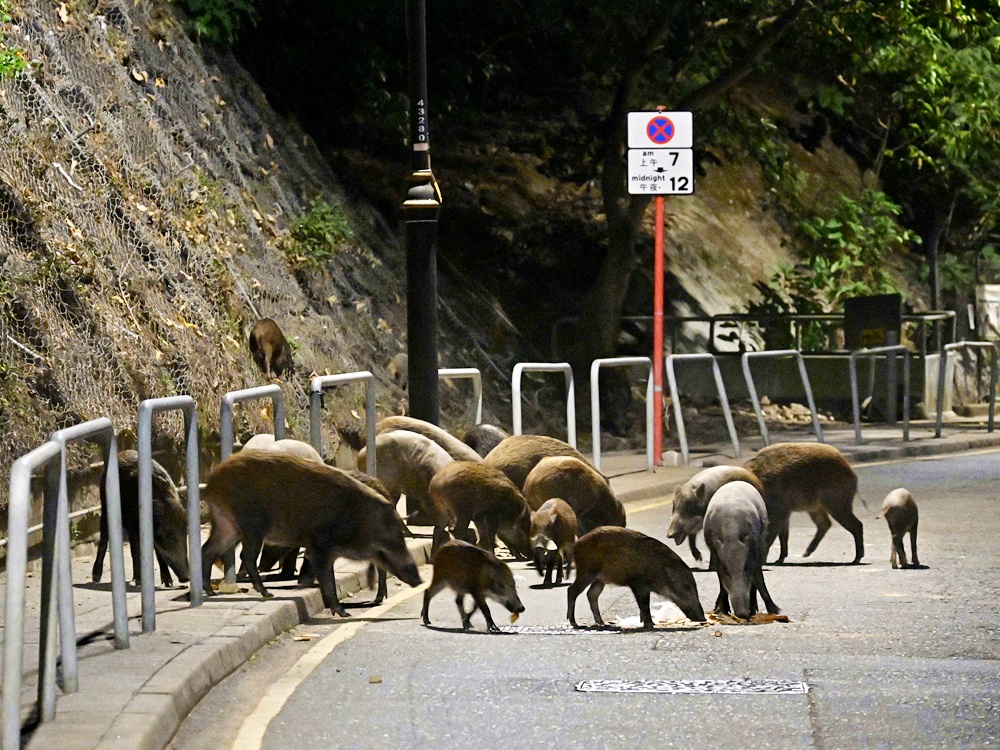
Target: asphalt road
[[892, 658]]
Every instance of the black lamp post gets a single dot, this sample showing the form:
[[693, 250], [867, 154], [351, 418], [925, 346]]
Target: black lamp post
[[420, 210]]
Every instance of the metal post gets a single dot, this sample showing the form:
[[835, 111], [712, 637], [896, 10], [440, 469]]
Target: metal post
[[319, 384], [420, 211], [855, 400], [942, 369], [595, 405], [18, 510], [720, 389], [803, 375], [477, 385], [562, 367]]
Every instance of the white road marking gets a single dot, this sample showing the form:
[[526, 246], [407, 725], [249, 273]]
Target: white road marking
[[251, 735]]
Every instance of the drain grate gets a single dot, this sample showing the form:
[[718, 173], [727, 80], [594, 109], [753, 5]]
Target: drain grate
[[695, 687], [553, 630]]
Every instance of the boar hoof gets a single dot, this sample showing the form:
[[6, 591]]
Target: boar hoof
[[493, 629]]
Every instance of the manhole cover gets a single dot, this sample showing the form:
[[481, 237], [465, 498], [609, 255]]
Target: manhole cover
[[695, 687], [553, 630]]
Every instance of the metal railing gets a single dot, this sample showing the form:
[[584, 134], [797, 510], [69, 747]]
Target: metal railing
[[316, 388], [228, 442], [595, 403], [941, 319], [563, 367], [144, 434], [958, 345], [454, 373], [723, 400], [803, 375], [880, 351]]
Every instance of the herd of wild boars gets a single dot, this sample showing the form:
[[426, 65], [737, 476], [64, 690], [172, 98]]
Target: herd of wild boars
[[539, 496]]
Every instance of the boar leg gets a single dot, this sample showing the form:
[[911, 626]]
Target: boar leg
[[102, 548], [135, 551], [777, 528], [306, 575], [695, 552], [898, 550], [429, 593], [323, 563], [487, 528], [557, 561], [913, 545], [823, 523], [248, 556], [759, 585], [593, 594], [843, 515], [722, 601], [288, 564], [641, 594], [221, 540], [440, 537], [484, 608], [383, 589], [466, 616], [574, 590], [165, 578]]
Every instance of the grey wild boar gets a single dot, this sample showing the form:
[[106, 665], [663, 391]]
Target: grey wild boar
[[406, 464], [517, 455], [810, 477], [468, 569], [623, 557], [579, 484], [258, 496], [736, 534], [269, 349], [483, 438], [455, 447], [900, 511], [464, 492], [553, 536], [169, 522], [691, 501]]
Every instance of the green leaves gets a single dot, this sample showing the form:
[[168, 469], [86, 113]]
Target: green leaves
[[11, 58], [218, 21]]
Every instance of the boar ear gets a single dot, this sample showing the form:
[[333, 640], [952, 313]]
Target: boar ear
[[701, 492]]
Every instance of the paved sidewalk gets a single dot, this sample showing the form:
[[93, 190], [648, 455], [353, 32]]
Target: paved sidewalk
[[136, 698]]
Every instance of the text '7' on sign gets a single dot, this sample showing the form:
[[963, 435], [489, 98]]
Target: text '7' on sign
[[660, 171], [660, 130]]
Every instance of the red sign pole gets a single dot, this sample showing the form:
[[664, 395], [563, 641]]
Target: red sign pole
[[658, 333]]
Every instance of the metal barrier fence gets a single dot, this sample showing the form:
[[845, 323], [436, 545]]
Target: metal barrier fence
[[228, 442], [595, 403], [316, 388], [880, 351], [472, 373], [562, 367], [144, 434], [748, 376], [723, 400], [948, 349]]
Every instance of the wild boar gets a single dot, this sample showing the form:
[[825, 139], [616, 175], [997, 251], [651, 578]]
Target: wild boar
[[483, 438], [553, 536], [900, 511], [736, 532], [269, 349], [258, 496], [579, 484], [517, 455], [455, 447], [810, 477], [471, 570], [624, 557], [406, 464]]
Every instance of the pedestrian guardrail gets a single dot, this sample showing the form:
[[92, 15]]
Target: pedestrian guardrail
[[472, 373], [318, 385], [228, 442], [888, 352], [144, 434], [720, 389], [957, 346], [563, 367], [18, 512], [595, 403], [803, 375]]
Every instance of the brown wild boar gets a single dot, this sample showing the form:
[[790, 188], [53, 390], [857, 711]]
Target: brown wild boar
[[579, 484], [553, 535], [624, 557], [269, 348], [258, 496], [455, 447], [810, 477], [483, 438], [169, 522], [691, 500], [463, 492], [517, 455], [900, 511], [470, 570]]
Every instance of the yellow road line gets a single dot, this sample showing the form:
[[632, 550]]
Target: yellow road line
[[936, 457], [251, 736], [648, 506]]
